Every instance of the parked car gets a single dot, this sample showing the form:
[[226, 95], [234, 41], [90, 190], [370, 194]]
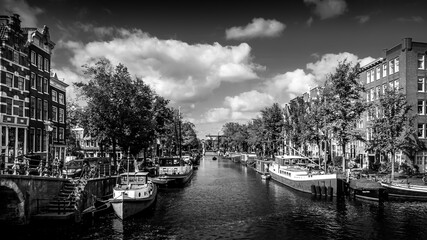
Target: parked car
[[73, 168]]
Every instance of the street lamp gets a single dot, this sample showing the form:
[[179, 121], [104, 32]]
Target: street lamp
[[49, 129]]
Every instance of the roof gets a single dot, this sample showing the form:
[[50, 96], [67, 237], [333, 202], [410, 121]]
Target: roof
[[291, 157], [134, 174]]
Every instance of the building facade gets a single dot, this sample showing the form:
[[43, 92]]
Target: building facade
[[26, 101], [401, 67], [58, 101]]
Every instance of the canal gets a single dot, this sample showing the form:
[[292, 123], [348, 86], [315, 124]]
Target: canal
[[226, 200]]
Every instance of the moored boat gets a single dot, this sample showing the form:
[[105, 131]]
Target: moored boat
[[292, 171], [367, 189], [173, 171], [133, 194], [405, 191]]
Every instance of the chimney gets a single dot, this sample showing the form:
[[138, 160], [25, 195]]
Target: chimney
[[407, 44]]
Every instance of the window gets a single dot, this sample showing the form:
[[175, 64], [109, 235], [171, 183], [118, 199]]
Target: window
[[368, 76], [61, 134], [372, 75], [9, 79], [378, 73], [421, 84], [384, 88], [38, 139], [16, 56], [367, 96], [33, 80], [61, 98], [396, 85], [54, 96], [33, 107], [54, 134], [61, 115], [396, 65], [31, 140], [384, 69], [39, 83], [54, 114], [421, 61], [372, 94], [421, 107], [8, 106], [18, 108], [45, 84], [377, 90], [422, 130], [20, 83], [39, 108], [40, 62], [33, 58], [391, 66], [45, 110], [46, 65]]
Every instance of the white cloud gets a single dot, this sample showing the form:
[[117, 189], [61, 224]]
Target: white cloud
[[281, 88], [28, 14], [259, 27], [328, 63], [417, 19], [327, 8], [252, 101], [176, 70], [363, 18], [290, 84], [216, 115]]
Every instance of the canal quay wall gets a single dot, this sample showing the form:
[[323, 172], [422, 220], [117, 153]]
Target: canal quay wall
[[23, 196]]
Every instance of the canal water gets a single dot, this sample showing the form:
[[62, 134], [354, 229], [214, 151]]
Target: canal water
[[226, 200]]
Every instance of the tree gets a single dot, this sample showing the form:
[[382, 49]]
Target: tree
[[256, 134], [343, 96], [273, 122], [295, 122], [119, 108], [236, 135], [393, 126], [315, 122]]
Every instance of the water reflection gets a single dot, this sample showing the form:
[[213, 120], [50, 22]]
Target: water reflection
[[225, 200]]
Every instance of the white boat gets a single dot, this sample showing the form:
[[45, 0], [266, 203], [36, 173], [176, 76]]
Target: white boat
[[294, 171], [405, 191], [133, 194], [173, 171], [265, 176]]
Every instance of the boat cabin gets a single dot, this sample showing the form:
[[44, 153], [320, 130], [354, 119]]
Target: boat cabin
[[134, 178], [173, 166], [292, 160]]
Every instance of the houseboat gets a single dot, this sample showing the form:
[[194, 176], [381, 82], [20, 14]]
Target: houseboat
[[405, 191], [297, 173], [133, 194], [173, 171]]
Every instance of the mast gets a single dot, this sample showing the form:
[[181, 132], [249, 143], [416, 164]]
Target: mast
[[179, 132], [128, 166]]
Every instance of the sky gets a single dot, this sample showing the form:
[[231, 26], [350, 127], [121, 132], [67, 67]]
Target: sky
[[221, 61]]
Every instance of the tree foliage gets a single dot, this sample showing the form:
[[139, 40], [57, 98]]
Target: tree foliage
[[392, 125], [343, 96]]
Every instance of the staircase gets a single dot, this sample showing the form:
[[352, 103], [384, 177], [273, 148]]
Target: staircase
[[61, 207]]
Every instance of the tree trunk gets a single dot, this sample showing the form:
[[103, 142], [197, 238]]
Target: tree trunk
[[114, 155], [343, 157], [392, 165]]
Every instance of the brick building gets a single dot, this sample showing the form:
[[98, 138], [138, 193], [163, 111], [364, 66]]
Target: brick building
[[402, 66], [25, 86]]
